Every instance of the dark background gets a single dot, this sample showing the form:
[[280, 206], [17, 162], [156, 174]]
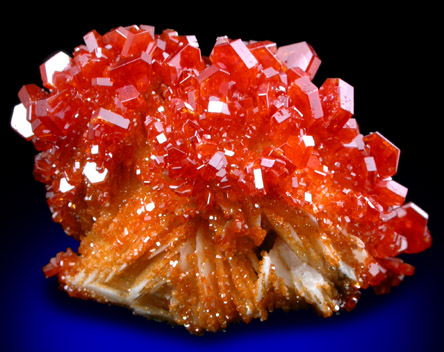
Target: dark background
[[392, 58]]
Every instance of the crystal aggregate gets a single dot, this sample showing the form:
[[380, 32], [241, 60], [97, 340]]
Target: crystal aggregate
[[150, 151]]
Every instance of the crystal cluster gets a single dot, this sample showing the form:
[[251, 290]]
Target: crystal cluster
[[207, 190]]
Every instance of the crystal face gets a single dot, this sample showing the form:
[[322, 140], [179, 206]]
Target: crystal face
[[208, 190]]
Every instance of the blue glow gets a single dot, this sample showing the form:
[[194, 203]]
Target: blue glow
[[41, 317]]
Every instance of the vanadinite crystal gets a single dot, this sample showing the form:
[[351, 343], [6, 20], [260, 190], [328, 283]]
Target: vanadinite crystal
[[207, 190]]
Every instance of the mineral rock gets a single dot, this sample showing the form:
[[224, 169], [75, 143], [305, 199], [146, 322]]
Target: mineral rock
[[207, 190]]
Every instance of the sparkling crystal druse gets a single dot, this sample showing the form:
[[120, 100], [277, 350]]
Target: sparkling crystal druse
[[207, 190]]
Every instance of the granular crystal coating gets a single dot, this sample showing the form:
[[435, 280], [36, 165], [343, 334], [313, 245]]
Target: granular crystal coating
[[207, 190]]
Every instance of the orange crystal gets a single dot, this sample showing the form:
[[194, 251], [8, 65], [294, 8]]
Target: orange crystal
[[210, 190]]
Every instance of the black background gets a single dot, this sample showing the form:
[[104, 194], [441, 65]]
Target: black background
[[391, 56]]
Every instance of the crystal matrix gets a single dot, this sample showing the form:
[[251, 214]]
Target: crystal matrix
[[207, 190]]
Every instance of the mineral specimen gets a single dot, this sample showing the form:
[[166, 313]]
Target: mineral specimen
[[207, 190]]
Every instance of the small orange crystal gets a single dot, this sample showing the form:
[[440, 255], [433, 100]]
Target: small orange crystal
[[210, 190]]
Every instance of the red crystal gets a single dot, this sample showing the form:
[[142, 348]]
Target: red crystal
[[411, 222], [300, 55], [337, 103], [385, 153], [235, 57], [148, 148]]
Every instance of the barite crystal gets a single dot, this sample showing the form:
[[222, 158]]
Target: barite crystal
[[208, 190]]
